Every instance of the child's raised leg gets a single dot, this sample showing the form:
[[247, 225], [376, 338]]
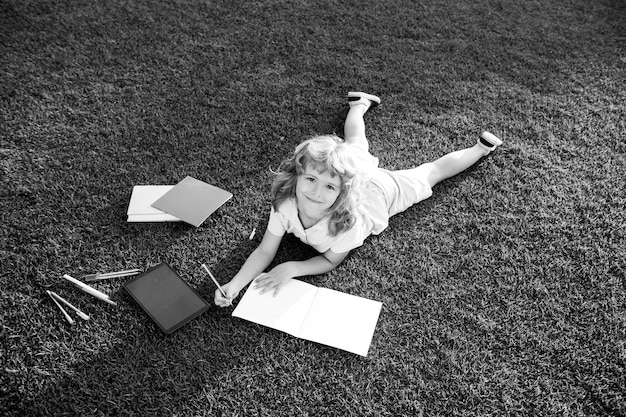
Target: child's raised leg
[[354, 126], [456, 162]]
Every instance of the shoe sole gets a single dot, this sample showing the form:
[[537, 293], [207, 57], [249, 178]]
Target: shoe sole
[[491, 138], [357, 94]]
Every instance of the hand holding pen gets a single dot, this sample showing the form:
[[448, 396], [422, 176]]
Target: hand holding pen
[[224, 300]]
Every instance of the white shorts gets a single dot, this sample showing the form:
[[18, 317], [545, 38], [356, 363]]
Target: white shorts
[[403, 188]]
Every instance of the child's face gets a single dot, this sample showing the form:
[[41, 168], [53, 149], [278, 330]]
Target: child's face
[[316, 192]]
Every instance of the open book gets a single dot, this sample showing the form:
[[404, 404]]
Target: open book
[[313, 313]]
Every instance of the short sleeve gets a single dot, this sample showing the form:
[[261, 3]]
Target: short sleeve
[[277, 224], [350, 239]]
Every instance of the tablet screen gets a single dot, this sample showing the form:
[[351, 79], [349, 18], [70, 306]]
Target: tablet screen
[[167, 299]]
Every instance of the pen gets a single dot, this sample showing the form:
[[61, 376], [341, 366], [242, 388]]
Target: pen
[[119, 274], [67, 316], [92, 291], [216, 283], [67, 303]]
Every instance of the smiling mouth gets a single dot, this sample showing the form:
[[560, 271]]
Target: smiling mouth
[[313, 200]]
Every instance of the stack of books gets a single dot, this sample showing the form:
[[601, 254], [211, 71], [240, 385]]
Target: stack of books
[[191, 201]]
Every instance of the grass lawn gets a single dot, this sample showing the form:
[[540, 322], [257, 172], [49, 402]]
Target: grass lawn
[[504, 293]]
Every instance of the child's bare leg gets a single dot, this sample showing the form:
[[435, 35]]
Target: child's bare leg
[[456, 162], [354, 126]]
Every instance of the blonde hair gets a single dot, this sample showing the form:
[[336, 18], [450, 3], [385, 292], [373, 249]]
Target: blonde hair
[[327, 153]]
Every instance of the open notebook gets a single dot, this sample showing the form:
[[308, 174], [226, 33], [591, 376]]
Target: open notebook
[[313, 313]]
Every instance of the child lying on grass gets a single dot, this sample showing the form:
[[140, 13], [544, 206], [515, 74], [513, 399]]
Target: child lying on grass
[[332, 195]]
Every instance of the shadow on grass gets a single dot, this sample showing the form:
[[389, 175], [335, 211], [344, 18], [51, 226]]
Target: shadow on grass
[[146, 372]]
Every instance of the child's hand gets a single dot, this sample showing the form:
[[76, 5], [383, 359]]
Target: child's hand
[[231, 294], [274, 280]]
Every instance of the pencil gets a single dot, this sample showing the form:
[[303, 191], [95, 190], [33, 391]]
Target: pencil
[[67, 303], [219, 287], [67, 316]]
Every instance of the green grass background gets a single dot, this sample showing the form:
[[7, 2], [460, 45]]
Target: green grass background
[[503, 294]]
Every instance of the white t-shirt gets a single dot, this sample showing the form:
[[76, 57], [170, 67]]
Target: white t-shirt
[[371, 218]]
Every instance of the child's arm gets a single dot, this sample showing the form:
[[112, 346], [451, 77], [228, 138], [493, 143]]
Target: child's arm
[[279, 275], [256, 263]]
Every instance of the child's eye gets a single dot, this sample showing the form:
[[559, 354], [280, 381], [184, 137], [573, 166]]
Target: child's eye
[[310, 179], [331, 187]]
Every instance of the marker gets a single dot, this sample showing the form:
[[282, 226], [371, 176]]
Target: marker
[[67, 303], [252, 234], [216, 283], [91, 291], [67, 316]]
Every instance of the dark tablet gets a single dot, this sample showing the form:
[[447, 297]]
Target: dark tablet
[[167, 299]]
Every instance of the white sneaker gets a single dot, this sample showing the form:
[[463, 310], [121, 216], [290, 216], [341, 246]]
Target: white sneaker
[[486, 139], [357, 97]]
